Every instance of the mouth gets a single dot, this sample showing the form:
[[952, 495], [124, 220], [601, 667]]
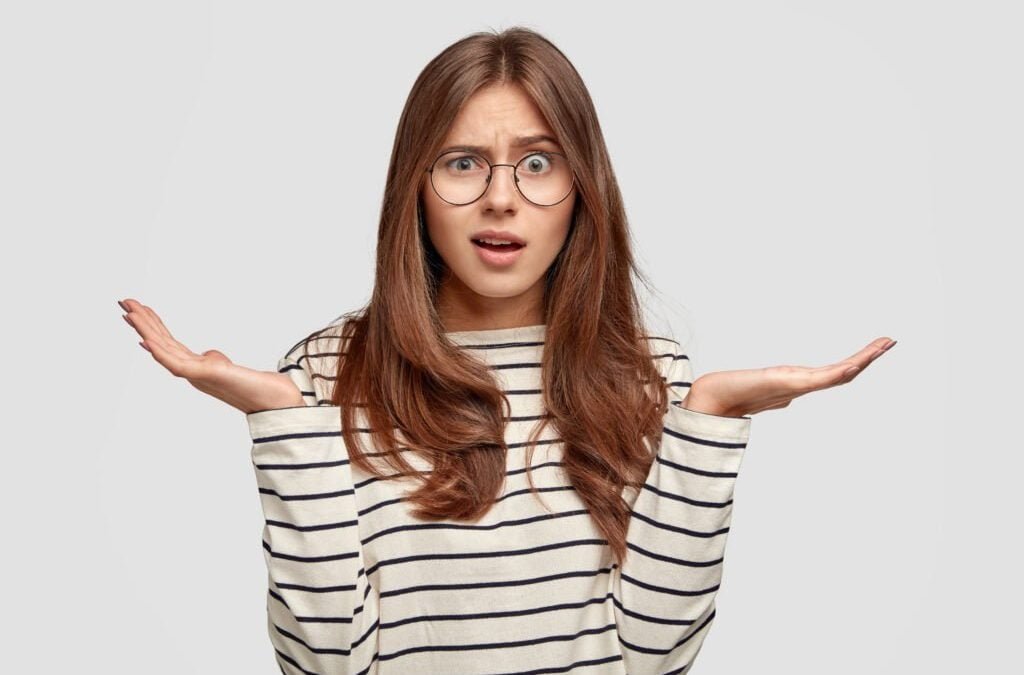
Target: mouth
[[498, 254], [497, 240], [503, 247]]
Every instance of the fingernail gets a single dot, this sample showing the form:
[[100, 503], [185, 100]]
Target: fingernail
[[890, 345], [851, 371], [121, 304]]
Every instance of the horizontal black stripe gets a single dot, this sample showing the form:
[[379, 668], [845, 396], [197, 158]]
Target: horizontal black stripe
[[433, 588], [653, 650], [703, 441], [698, 472], [317, 619], [477, 616], [665, 590], [292, 662], [334, 557], [497, 645], [568, 667], [315, 495], [648, 618], [686, 500], [372, 630], [676, 528]]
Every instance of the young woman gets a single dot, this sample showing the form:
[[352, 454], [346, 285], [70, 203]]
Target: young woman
[[491, 467]]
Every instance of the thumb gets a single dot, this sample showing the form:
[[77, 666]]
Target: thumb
[[217, 355]]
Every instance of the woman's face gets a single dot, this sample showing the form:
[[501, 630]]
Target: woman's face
[[478, 292]]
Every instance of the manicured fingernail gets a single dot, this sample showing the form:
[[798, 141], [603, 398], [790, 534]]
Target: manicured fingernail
[[850, 371], [122, 305], [891, 344], [126, 319]]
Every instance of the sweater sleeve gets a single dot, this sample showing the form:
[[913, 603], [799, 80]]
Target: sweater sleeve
[[664, 593], [322, 613]]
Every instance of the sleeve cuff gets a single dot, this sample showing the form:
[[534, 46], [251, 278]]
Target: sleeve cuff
[[264, 424], [707, 425]]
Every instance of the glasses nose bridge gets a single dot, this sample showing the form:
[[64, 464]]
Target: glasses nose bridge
[[490, 177]]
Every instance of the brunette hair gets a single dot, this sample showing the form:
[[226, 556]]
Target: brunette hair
[[396, 364]]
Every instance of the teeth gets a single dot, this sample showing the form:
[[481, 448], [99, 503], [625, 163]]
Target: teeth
[[497, 242]]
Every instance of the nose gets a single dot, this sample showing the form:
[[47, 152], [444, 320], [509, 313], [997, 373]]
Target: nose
[[501, 192]]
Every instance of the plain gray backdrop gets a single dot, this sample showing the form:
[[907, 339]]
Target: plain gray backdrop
[[800, 177]]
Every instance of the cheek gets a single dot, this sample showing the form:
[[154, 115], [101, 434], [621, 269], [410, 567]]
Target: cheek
[[553, 242], [556, 233], [440, 236], [435, 225]]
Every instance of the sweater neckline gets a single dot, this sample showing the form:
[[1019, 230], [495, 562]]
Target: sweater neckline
[[533, 333]]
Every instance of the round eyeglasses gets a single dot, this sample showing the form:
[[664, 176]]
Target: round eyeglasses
[[543, 178]]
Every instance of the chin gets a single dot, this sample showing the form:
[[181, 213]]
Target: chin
[[499, 290]]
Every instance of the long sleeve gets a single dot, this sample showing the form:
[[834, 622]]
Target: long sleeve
[[322, 614], [664, 594]]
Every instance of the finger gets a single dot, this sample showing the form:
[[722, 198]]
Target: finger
[[169, 356], [168, 352], [148, 326], [152, 320], [864, 356], [883, 350], [157, 323], [861, 359], [816, 379], [804, 379], [133, 315], [140, 322], [165, 358]]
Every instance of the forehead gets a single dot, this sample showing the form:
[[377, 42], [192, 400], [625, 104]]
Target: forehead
[[498, 115]]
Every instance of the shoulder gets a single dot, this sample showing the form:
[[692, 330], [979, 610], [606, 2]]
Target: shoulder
[[325, 340], [315, 357], [666, 353]]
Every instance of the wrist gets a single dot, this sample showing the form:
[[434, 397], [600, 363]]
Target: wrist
[[703, 405]]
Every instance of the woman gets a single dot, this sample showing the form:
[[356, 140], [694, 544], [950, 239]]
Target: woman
[[410, 524]]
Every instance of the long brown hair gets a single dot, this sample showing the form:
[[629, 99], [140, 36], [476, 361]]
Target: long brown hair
[[397, 365]]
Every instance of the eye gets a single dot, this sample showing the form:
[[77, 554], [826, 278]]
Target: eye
[[536, 163], [464, 163]]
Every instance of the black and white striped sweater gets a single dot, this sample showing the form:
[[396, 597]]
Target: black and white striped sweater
[[357, 585]]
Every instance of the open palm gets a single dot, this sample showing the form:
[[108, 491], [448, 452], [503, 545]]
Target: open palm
[[735, 393], [211, 372]]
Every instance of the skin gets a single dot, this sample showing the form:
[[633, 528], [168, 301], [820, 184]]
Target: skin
[[211, 372], [473, 296]]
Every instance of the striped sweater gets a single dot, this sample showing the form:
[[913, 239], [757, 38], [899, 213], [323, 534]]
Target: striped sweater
[[357, 585]]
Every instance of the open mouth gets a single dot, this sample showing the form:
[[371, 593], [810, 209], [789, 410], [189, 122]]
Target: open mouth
[[500, 248]]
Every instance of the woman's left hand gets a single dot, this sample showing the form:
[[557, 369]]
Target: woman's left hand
[[736, 393]]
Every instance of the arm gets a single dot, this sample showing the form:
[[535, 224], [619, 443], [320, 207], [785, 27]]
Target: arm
[[664, 594], [321, 611], [300, 375]]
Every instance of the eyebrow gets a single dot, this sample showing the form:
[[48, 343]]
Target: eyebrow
[[518, 142]]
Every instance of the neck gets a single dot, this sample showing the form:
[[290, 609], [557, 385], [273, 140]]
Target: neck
[[461, 309]]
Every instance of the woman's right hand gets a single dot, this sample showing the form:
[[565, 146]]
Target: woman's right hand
[[211, 372]]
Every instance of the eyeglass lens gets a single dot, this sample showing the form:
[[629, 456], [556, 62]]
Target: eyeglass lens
[[543, 178]]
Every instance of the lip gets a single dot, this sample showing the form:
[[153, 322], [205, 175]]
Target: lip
[[498, 234], [497, 258]]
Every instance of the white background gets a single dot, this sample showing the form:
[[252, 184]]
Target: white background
[[801, 177]]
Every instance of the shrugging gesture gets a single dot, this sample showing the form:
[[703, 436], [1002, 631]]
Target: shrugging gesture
[[211, 372], [736, 393]]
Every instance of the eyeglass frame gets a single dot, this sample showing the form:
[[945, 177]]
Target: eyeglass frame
[[490, 175]]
